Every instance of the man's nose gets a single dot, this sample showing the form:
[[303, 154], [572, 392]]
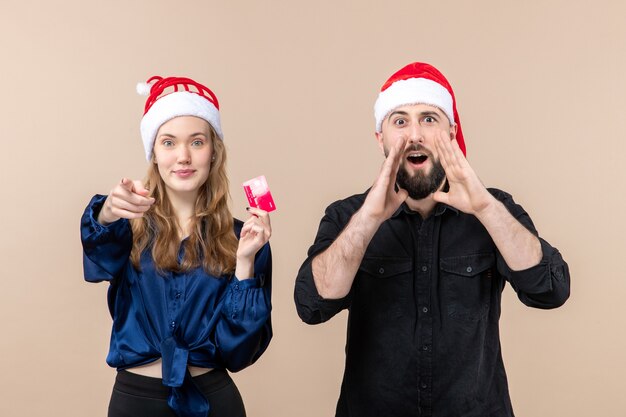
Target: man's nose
[[415, 134]]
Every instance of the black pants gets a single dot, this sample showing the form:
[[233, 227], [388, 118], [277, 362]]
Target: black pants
[[142, 396]]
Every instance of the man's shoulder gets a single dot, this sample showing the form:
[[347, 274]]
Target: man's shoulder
[[351, 203]]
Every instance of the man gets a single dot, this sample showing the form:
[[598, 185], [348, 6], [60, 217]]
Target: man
[[420, 260]]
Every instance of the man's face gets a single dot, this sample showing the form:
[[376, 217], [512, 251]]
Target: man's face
[[420, 171]]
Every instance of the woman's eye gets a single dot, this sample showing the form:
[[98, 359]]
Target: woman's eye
[[168, 143], [197, 143]]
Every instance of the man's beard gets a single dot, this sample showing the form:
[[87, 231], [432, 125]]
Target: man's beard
[[421, 185]]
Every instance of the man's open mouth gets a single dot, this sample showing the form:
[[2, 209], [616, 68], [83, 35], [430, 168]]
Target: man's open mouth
[[417, 158]]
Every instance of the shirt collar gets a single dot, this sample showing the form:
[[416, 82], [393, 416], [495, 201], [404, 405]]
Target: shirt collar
[[440, 208]]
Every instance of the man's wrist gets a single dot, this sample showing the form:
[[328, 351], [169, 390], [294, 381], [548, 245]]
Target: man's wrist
[[367, 221], [488, 209]]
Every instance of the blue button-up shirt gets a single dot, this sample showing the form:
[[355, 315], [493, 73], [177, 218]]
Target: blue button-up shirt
[[186, 318]]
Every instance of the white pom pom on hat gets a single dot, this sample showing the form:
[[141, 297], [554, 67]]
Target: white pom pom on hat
[[418, 83], [196, 100], [143, 89]]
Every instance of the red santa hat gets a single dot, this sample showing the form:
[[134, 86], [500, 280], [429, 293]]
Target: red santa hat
[[188, 98], [418, 83]]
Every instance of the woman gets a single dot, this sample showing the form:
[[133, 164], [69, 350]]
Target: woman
[[189, 286]]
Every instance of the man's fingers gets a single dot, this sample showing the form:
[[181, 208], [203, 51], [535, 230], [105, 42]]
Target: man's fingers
[[443, 150], [441, 197], [453, 150], [392, 162], [402, 194], [396, 152]]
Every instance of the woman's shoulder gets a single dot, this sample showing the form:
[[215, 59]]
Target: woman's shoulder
[[237, 225]]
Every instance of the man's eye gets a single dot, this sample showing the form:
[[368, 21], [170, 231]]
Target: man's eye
[[429, 119], [399, 122]]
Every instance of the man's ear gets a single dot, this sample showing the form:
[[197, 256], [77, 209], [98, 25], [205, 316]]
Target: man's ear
[[379, 139], [453, 130]]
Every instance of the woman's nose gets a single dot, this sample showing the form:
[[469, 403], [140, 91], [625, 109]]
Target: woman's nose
[[184, 156]]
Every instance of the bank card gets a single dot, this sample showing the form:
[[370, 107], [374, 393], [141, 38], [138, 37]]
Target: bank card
[[258, 194]]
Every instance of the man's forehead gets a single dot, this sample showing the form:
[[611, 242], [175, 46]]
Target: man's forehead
[[418, 108]]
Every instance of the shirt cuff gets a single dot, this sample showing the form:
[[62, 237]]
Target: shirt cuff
[[94, 209], [538, 279], [237, 284]]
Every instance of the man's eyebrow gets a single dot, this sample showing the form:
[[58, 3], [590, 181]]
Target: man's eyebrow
[[400, 112], [430, 113]]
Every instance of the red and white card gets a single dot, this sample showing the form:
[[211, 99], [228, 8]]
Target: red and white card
[[258, 194]]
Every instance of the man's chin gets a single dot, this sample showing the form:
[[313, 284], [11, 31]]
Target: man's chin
[[423, 169], [418, 174]]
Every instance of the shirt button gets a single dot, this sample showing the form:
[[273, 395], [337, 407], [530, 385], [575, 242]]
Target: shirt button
[[173, 324], [469, 269], [423, 385], [424, 268], [178, 294], [425, 348], [237, 286], [381, 270], [425, 309]]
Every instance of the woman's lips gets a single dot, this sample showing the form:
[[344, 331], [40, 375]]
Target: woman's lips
[[184, 173]]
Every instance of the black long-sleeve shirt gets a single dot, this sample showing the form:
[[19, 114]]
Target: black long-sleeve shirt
[[423, 337]]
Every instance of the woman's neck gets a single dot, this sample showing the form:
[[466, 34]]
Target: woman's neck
[[183, 206]]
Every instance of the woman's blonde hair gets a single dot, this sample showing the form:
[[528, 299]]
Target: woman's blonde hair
[[211, 243]]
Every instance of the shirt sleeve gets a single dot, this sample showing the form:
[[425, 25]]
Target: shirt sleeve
[[106, 249], [545, 285], [313, 308], [245, 329]]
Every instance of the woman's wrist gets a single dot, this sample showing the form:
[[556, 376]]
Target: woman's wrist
[[105, 217], [244, 268]]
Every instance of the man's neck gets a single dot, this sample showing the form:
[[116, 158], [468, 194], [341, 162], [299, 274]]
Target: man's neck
[[424, 206]]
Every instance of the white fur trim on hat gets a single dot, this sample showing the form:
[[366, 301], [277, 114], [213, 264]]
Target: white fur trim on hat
[[182, 103], [412, 91]]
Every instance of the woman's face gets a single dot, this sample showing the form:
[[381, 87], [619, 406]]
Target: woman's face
[[182, 151]]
